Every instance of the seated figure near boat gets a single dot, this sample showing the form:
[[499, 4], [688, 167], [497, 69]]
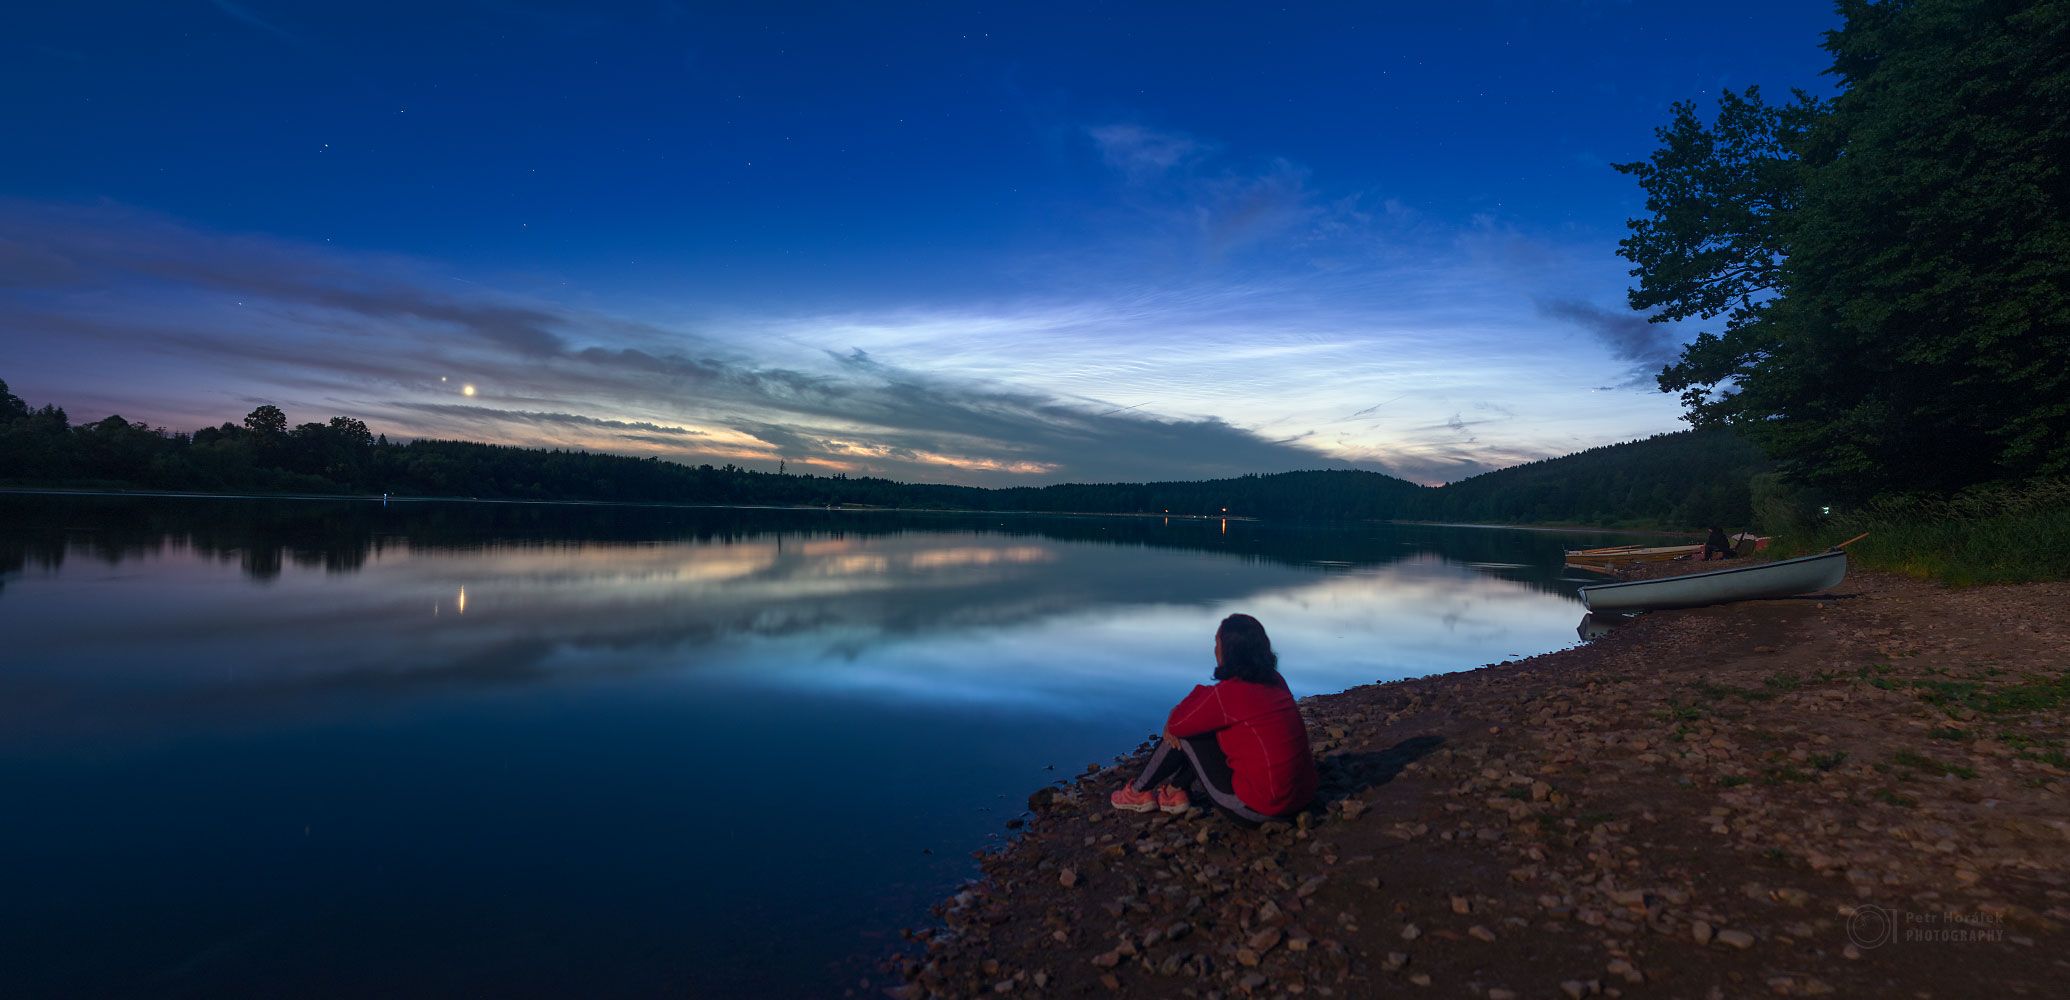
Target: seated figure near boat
[[1718, 543], [1240, 739]]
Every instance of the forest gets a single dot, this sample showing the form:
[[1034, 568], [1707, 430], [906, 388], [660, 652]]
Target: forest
[[1637, 484], [1883, 281], [1882, 276]]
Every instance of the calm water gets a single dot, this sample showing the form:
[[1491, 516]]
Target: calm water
[[296, 748]]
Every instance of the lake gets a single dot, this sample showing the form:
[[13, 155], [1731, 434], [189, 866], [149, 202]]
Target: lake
[[302, 748]]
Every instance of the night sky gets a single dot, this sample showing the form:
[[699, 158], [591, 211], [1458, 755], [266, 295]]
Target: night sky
[[991, 245]]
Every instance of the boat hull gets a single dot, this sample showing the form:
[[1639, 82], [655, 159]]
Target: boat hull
[[1782, 578]]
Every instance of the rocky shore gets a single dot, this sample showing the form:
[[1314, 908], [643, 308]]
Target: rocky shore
[[1866, 795]]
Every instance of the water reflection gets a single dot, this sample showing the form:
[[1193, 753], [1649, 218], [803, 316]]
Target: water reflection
[[1595, 626], [264, 537], [939, 609], [501, 749]]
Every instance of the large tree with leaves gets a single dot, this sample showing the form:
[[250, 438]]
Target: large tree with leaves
[[1892, 266]]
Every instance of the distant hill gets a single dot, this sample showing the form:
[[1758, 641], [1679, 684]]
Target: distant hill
[[1687, 478], [1684, 480]]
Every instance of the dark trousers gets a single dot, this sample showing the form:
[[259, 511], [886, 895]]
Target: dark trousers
[[1199, 761]]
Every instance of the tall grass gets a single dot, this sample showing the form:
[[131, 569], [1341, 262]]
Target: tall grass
[[1995, 534]]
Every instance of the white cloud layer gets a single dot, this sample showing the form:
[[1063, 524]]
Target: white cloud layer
[[1234, 322]]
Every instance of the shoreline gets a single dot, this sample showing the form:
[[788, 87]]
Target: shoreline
[[1865, 794], [384, 500], [1551, 528]]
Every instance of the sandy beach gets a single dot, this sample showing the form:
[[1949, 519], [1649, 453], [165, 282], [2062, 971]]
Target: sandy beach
[[1863, 795]]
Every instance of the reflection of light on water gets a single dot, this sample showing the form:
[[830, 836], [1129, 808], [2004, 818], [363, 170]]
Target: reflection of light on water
[[979, 556], [1333, 631], [924, 617], [859, 564]]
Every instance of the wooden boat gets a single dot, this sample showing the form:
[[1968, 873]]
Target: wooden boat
[[1632, 553], [1742, 543], [1781, 578]]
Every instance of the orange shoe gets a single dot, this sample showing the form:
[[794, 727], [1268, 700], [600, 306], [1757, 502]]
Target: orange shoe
[[1173, 800], [1127, 798]]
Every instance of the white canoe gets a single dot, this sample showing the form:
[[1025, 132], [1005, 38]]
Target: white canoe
[[1781, 578]]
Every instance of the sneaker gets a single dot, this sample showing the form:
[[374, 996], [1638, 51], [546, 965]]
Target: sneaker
[[1173, 800], [1133, 801]]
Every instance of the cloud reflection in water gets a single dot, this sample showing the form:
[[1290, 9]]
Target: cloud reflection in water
[[957, 616]]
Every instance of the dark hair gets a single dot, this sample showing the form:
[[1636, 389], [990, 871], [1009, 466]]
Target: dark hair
[[1246, 651]]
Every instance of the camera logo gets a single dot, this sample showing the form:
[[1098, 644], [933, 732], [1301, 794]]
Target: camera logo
[[1871, 926]]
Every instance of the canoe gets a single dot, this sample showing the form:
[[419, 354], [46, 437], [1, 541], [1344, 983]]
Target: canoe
[[1781, 578], [1633, 553], [1742, 543]]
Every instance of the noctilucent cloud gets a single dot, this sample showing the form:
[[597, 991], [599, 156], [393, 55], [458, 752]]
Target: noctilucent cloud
[[997, 246]]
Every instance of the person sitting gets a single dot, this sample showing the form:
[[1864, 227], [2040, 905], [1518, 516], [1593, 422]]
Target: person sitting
[[1241, 738], [1718, 543]]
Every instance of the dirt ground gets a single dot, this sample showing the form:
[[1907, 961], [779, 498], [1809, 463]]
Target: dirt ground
[[1861, 795]]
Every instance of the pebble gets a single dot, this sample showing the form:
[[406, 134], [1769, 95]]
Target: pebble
[[1553, 809], [1737, 939]]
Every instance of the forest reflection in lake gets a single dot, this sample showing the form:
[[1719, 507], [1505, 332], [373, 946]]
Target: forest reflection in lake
[[330, 747]]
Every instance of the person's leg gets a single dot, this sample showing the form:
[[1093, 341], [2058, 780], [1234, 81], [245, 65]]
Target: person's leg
[[1166, 765], [1211, 766]]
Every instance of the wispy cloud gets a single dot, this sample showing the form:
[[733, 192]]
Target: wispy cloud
[[1142, 152], [1224, 314], [245, 15], [1630, 336], [320, 327]]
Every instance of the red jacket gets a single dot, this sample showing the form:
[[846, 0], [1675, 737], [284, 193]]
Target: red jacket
[[1260, 731]]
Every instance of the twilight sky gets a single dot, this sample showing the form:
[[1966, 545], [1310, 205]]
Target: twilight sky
[[1012, 245]]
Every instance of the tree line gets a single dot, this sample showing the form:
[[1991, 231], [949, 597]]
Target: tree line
[[1687, 479], [1888, 269]]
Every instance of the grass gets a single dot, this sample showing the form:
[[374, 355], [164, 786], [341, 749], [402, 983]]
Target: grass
[[1996, 534], [1893, 798], [2036, 694], [1828, 761], [1681, 713], [1921, 762], [1949, 695], [1718, 692], [1782, 682], [1733, 780]]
